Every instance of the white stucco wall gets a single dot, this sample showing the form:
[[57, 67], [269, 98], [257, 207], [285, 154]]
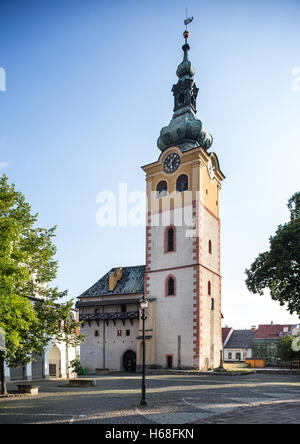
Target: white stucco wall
[[115, 346], [234, 352], [174, 317], [66, 356], [174, 314]]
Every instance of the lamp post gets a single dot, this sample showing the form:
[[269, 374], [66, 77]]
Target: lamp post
[[143, 305]]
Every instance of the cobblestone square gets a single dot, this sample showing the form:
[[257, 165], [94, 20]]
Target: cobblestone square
[[172, 399]]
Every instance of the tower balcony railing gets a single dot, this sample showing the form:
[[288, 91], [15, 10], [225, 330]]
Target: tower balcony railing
[[108, 316]]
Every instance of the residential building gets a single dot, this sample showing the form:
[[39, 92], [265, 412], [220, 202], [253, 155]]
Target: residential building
[[239, 346], [55, 362], [266, 340]]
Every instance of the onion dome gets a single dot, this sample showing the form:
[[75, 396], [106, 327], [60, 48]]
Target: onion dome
[[184, 130]]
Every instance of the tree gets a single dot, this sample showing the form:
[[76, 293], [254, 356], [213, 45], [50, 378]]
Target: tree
[[279, 268], [30, 314], [285, 351]]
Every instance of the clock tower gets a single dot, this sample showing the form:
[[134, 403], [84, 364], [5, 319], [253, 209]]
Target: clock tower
[[183, 236]]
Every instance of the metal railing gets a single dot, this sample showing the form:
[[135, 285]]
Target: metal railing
[[108, 316]]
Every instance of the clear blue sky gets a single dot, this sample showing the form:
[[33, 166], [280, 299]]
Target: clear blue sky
[[88, 90]]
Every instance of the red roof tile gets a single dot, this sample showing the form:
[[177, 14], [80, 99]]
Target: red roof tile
[[272, 331], [225, 333]]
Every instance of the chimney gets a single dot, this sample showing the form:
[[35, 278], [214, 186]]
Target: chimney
[[119, 273], [114, 278], [112, 281]]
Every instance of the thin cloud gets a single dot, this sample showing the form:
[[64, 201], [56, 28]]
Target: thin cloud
[[3, 165]]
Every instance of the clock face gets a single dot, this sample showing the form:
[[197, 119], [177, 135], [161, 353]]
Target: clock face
[[171, 163], [211, 169]]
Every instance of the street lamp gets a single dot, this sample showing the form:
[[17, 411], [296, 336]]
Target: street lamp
[[143, 305]]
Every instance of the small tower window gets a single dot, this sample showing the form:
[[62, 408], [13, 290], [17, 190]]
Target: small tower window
[[182, 183], [212, 304], [210, 247], [209, 288], [181, 99], [170, 287], [162, 189], [170, 240]]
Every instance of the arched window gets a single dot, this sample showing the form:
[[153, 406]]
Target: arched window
[[182, 183], [161, 189], [209, 288], [170, 286], [210, 247]]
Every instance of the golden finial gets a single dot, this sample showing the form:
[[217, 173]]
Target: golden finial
[[186, 34]]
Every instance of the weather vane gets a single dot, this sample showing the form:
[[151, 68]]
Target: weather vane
[[188, 20]]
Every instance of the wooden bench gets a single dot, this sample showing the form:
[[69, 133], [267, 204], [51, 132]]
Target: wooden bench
[[28, 389]]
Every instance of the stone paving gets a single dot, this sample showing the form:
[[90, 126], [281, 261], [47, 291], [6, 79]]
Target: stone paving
[[172, 399], [276, 412]]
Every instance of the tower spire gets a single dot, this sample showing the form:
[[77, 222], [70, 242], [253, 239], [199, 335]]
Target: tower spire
[[184, 130]]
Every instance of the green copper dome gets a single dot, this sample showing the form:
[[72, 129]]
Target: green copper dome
[[184, 130], [185, 70]]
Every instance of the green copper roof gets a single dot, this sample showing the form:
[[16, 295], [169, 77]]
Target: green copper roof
[[131, 282], [184, 130]]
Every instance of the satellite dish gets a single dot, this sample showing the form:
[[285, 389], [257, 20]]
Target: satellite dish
[[296, 344]]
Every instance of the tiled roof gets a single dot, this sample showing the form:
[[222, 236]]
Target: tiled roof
[[131, 282], [272, 331], [225, 333], [241, 339]]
